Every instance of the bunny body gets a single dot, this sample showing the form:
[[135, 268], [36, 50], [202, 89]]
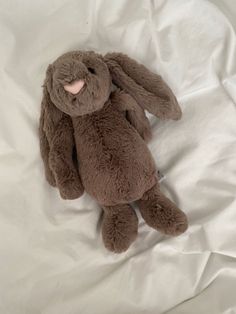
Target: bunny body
[[93, 139], [115, 164]]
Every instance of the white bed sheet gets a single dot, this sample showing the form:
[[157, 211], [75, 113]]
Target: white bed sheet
[[52, 260]]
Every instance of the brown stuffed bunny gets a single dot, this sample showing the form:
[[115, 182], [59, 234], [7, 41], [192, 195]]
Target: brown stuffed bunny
[[94, 139]]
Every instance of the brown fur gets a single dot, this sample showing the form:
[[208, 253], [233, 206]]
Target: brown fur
[[119, 227], [160, 213], [108, 133]]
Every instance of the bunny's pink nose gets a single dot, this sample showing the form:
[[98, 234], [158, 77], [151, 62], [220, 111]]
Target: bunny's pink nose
[[74, 87]]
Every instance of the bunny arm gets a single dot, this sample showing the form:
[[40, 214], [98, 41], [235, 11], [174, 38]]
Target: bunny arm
[[61, 161], [57, 145], [44, 149], [134, 113]]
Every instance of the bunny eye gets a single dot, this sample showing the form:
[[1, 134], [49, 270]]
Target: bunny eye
[[91, 70]]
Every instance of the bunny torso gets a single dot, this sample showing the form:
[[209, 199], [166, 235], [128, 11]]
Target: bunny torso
[[115, 163]]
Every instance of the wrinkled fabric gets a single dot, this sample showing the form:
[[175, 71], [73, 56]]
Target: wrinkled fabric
[[52, 259]]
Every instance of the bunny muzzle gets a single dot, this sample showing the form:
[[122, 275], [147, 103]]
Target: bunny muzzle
[[75, 87]]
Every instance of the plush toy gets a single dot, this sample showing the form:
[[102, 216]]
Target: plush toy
[[93, 134]]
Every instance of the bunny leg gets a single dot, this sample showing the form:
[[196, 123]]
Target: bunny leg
[[162, 214], [119, 227]]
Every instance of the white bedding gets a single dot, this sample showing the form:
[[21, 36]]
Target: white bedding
[[52, 260]]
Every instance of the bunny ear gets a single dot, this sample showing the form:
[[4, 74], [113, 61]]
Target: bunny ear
[[49, 118], [147, 88]]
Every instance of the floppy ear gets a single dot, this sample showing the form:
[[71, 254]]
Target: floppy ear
[[147, 88], [49, 119]]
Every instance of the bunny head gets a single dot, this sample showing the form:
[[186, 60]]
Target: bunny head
[[79, 83]]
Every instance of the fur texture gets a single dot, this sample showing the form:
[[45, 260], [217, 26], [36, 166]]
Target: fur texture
[[115, 166], [95, 140], [119, 227], [160, 213], [147, 88]]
